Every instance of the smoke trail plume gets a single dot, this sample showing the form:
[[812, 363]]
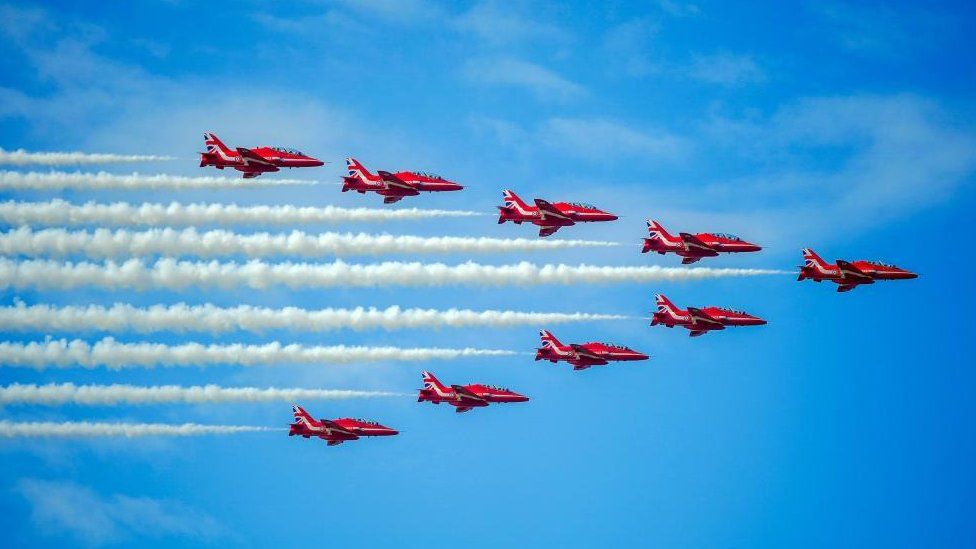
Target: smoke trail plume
[[55, 181], [122, 317], [20, 157], [108, 244], [54, 394], [124, 214], [107, 352], [84, 429], [170, 274]]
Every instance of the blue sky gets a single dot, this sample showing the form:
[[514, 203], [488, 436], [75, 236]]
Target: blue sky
[[851, 128]]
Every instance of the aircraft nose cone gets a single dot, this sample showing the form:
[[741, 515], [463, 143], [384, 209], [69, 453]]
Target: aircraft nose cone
[[611, 217], [909, 274], [315, 162], [520, 398]]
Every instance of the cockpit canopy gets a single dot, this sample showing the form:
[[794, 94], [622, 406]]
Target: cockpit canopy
[[727, 236], [289, 151], [883, 264], [583, 205], [614, 345], [366, 421], [428, 174], [733, 311], [495, 387]]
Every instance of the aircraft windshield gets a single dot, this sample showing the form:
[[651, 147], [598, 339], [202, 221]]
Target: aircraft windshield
[[289, 151], [428, 174], [366, 421], [497, 388], [731, 311], [728, 236], [614, 345], [583, 205], [883, 264]]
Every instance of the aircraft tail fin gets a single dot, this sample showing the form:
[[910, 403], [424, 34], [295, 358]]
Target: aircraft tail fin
[[811, 258], [431, 383], [549, 340], [665, 308], [512, 201], [301, 416], [215, 145], [357, 170]]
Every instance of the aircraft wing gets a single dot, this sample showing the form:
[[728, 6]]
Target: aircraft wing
[[853, 274], [392, 180], [689, 260], [586, 356], [462, 409], [694, 244], [252, 158], [337, 430], [391, 199], [549, 213], [546, 231], [465, 395], [701, 321], [577, 367]]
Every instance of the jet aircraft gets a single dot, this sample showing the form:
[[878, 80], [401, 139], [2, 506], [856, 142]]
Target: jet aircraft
[[700, 321], [465, 397], [549, 217], [335, 431], [693, 247], [584, 355], [253, 162], [393, 186], [849, 275]]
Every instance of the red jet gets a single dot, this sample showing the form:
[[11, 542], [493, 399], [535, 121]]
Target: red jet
[[701, 320], [465, 397], [335, 431], [693, 247], [549, 217], [846, 275], [253, 162], [393, 186], [585, 355]]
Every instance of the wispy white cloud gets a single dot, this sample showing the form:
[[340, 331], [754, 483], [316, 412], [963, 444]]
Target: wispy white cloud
[[178, 275], [628, 47], [212, 319], [61, 212], [604, 139], [85, 429], [109, 244], [677, 8], [510, 72], [66, 508], [58, 394], [505, 23], [725, 68], [62, 353]]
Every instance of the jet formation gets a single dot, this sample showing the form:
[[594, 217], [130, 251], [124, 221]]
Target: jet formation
[[252, 162]]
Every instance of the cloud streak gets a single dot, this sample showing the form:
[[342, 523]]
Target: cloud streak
[[56, 181], [20, 157], [85, 429], [107, 244], [55, 394], [181, 317], [62, 353], [171, 274], [123, 214]]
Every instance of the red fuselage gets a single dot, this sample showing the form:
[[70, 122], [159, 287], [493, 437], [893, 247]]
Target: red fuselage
[[550, 217], [848, 275], [253, 162], [585, 355], [693, 247], [335, 431], [700, 321], [393, 186], [465, 397]]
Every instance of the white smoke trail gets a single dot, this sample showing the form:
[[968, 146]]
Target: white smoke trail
[[20, 157], [123, 214], [107, 352], [54, 181], [170, 274], [54, 394], [85, 429], [108, 244], [122, 317]]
